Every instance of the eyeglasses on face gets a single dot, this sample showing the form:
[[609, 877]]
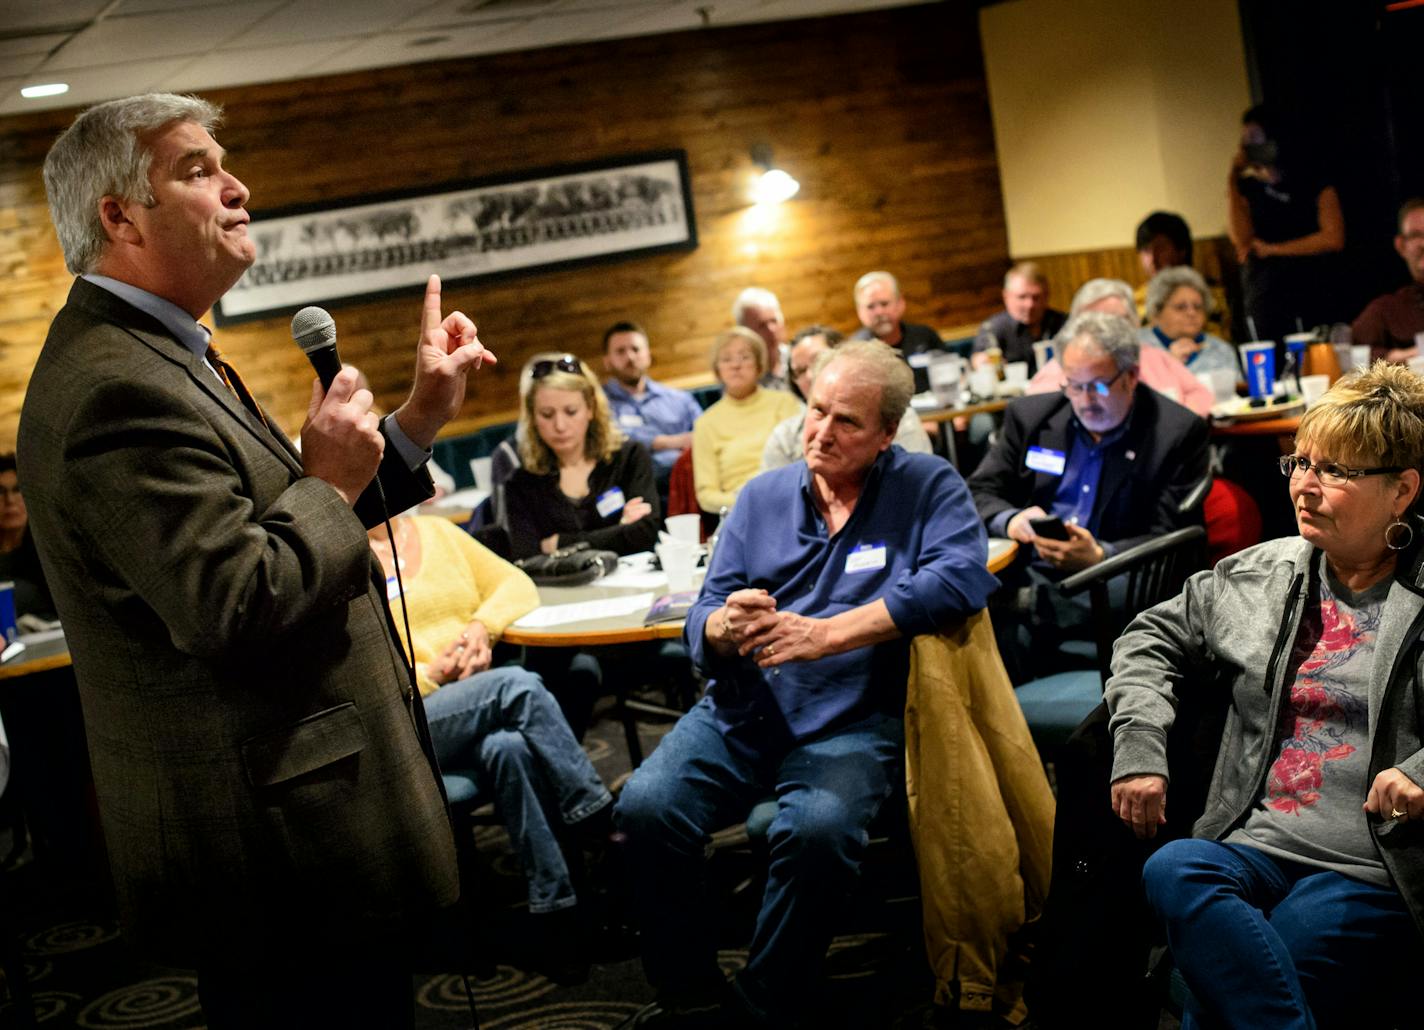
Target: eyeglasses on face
[[1330, 473], [563, 363], [1097, 386]]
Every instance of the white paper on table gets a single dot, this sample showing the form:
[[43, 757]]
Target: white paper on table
[[583, 611], [635, 579]]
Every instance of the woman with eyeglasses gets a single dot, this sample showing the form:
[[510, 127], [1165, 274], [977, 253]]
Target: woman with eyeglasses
[[1297, 899], [727, 441], [1178, 301], [581, 479]]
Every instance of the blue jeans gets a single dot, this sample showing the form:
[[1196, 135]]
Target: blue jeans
[[505, 726], [1268, 943], [827, 790]]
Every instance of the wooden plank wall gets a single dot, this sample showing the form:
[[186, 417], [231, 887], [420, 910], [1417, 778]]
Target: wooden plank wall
[[883, 117], [1211, 256]]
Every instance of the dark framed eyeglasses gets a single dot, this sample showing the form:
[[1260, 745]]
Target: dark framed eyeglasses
[[1097, 386], [547, 366], [1331, 473]]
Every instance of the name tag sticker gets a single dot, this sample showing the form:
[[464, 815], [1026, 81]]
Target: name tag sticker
[[630, 418], [392, 588], [610, 501], [866, 558], [1041, 459], [920, 360]]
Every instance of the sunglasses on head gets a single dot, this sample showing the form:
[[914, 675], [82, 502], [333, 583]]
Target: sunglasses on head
[[563, 363]]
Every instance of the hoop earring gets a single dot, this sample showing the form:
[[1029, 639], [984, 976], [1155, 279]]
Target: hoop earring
[[1390, 535]]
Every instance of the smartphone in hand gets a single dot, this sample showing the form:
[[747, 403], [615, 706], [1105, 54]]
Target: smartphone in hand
[[1051, 528]]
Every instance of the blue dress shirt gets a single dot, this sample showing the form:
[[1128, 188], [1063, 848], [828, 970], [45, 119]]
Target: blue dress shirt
[[660, 411], [913, 540]]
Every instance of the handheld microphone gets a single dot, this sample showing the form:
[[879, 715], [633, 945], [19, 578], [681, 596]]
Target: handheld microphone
[[315, 333]]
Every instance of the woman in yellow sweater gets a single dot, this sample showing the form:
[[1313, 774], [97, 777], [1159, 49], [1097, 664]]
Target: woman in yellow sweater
[[501, 722], [728, 439]]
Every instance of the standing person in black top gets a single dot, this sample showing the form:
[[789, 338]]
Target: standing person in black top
[[581, 480], [1285, 222]]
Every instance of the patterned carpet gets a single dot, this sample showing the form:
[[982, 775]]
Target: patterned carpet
[[82, 976]]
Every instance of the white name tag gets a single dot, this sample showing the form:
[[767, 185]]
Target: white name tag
[[630, 418], [610, 501], [865, 558], [392, 588], [920, 360], [1041, 459]]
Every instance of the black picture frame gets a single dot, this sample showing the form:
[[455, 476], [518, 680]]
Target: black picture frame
[[516, 224]]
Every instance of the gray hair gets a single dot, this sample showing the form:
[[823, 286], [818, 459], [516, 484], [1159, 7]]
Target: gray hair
[[1114, 336], [1167, 282], [1095, 290], [869, 279], [102, 155], [882, 366], [753, 297]]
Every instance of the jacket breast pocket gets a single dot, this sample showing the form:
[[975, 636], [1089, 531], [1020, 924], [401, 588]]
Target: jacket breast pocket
[[319, 740]]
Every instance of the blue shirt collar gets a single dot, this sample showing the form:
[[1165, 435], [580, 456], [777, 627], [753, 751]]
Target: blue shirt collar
[[185, 329], [652, 387]]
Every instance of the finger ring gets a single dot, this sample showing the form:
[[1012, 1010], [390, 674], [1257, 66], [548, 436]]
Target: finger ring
[[459, 647], [771, 649], [1395, 813]]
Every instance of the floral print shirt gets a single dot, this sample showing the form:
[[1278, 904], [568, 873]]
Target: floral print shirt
[[1311, 809]]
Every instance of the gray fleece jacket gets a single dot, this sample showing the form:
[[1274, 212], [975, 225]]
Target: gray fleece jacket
[[1238, 621]]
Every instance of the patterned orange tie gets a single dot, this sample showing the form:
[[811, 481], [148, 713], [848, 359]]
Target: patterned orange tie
[[230, 376]]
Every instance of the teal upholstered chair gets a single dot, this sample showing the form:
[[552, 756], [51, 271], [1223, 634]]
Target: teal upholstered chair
[[1151, 573]]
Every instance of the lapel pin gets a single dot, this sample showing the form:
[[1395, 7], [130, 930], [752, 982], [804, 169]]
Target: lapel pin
[[1131, 455]]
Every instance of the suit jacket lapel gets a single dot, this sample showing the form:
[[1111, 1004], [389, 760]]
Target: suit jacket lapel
[[153, 335]]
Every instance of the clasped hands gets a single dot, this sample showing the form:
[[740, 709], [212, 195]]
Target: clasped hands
[[467, 654], [1079, 551], [341, 439], [1141, 801], [750, 624]]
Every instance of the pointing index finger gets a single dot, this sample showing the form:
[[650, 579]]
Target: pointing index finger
[[430, 315]]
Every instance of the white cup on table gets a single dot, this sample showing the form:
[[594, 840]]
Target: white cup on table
[[685, 529], [679, 561]]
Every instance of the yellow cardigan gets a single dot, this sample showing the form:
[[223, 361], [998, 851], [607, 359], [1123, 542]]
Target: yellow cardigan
[[458, 580], [727, 441]]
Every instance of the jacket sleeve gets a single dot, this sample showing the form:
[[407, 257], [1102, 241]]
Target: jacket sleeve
[[163, 501], [997, 485], [1151, 663], [1185, 464]]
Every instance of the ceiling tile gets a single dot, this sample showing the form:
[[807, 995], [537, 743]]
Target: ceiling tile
[[91, 85], [158, 35], [320, 19], [393, 48], [449, 13], [238, 67], [18, 15]]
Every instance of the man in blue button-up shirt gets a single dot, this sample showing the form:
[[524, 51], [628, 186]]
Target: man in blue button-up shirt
[[822, 572], [659, 417]]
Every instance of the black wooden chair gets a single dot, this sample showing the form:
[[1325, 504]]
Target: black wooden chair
[[1118, 589]]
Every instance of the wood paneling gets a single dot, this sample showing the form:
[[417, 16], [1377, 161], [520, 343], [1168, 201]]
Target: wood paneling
[[883, 117], [1212, 257]]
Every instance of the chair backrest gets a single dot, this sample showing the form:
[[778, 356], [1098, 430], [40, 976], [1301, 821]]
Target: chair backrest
[[1131, 582]]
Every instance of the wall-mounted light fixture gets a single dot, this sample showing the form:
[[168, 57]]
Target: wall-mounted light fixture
[[773, 185]]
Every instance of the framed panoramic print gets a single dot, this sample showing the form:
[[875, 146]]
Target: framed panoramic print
[[519, 224]]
